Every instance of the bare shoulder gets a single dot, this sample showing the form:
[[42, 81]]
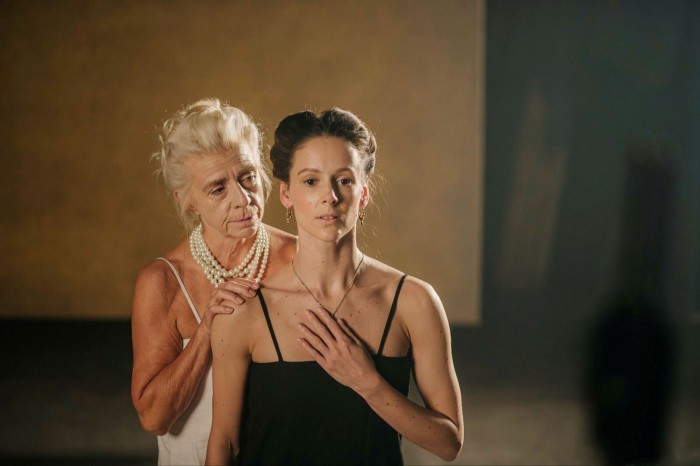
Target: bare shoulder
[[283, 248], [414, 288], [419, 291], [157, 276], [242, 326], [156, 285], [417, 298], [282, 241]]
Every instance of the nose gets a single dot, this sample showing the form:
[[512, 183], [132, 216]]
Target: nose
[[241, 196], [330, 196]]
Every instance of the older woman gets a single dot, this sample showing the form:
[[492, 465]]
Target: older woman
[[316, 371], [210, 161]]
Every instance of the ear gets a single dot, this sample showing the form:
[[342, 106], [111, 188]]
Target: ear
[[284, 196], [364, 199], [179, 197]]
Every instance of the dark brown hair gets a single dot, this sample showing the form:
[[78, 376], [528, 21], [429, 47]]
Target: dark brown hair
[[298, 128]]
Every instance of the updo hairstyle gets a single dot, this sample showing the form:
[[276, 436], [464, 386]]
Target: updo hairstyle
[[298, 128], [204, 127]]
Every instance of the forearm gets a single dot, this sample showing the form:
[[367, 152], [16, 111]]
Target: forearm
[[220, 450], [165, 397], [427, 428]]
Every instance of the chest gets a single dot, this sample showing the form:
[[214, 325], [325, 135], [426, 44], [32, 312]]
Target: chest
[[366, 312]]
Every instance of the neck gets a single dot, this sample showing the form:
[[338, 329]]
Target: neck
[[229, 251], [327, 268]]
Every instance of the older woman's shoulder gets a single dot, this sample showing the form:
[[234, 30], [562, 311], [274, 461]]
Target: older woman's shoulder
[[159, 274], [283, 245], [281, 237]]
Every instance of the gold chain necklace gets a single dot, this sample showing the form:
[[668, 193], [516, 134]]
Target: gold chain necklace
[[341, 299]]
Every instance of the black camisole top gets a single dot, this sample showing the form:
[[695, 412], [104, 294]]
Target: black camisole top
[[297, 414]]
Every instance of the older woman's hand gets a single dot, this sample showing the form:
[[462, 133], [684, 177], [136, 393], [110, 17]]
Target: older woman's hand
[[337, 349], [224, 298]]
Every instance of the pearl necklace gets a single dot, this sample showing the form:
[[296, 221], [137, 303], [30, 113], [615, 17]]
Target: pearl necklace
[[216, 273], [357, 269]]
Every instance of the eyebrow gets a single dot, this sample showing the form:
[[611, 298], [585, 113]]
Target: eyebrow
[[312, 170], [245, 168], [316, 170]]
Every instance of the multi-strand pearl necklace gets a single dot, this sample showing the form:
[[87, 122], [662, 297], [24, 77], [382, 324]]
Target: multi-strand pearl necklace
[[256, 259]]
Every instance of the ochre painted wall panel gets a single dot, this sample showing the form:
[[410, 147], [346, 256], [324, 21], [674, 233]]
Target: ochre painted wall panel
[[86, 83]]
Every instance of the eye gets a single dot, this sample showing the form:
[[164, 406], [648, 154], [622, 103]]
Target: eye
[[251, 179], [345, 181], [310, 182], [217, 190]]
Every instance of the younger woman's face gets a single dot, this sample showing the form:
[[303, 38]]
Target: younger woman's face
[[326, 188]]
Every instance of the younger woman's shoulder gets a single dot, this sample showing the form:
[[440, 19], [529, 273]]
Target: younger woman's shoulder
[[413, 287], [244, 323]]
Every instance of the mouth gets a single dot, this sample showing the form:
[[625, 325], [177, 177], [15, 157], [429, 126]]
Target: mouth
[[247, 218], [249, 215], [328, 219]]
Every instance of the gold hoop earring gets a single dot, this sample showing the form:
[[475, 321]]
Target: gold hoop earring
[[289, 215], [361, 217]]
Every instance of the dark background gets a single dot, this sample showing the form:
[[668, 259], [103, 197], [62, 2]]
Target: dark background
[[577, 94]]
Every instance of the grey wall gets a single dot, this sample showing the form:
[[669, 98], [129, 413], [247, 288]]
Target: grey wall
[[572, 87]]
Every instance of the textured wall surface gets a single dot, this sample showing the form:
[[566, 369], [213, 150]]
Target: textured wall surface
[[86, 83]]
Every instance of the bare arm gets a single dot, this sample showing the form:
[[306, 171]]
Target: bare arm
[[230, 363], [437, 427], [165, 377]]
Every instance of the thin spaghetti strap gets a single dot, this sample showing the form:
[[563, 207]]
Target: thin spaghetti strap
[[182, 286], [269, 326], [392, 311]]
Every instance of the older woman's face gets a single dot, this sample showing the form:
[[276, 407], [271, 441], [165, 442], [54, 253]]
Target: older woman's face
[[227, 193]]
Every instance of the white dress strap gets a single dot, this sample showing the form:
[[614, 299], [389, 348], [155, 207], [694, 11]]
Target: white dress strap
[[184, 290]]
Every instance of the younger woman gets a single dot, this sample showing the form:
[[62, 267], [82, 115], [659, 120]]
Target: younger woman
[[316, 371]]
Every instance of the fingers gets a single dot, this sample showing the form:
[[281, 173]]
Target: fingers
[[350, 332], [240, 288], [318, 325], [222, 308], [312, 340], [326, 319], [318, 357], [231, 293]]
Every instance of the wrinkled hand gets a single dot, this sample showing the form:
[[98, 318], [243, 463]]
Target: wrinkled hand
[[337, 349], [224, 298]]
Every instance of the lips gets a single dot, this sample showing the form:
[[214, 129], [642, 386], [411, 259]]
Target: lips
[[328, 217], [246, 217]]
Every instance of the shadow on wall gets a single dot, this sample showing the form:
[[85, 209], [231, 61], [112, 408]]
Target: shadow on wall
[[632, 352]]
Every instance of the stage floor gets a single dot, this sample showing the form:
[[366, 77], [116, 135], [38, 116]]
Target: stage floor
[[65, 400]]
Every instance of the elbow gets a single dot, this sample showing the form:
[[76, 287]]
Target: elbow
[[452, 449], [150, 421], [153, 425]]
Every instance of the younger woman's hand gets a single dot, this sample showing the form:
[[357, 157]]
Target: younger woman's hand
[[337, 349], [225, 297]]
